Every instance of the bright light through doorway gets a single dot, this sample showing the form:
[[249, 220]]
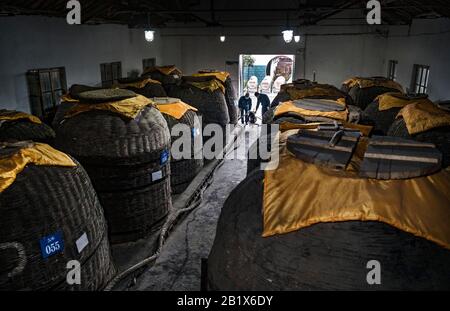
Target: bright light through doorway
[[264, 73]]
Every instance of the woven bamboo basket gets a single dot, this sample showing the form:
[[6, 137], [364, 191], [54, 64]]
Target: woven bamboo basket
[[183, 171], [325, 256], [100, 137], [302, 84], [362, 97], [124, 160], [211, 105], [166, 80], [439, 136], [21, 130], [134, 214], [44, 200], [380, 120], [149, 90]]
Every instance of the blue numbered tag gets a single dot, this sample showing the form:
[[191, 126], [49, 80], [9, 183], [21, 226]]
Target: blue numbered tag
[[164, 157], [51, 244]]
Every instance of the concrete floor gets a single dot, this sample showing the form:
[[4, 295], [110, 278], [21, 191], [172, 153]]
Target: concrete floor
[[179, 265]]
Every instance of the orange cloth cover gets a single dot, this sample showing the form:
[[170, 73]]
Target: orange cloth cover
[[424, 116], [397, 100], [299, 194], [37, 154], [11, 115], [128, 108], [370, 82], [290, 107]]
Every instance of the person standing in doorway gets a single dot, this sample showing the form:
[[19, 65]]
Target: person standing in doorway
[[245, 105], [264, 100]]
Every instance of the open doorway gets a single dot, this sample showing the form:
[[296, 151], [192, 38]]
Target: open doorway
[[264, 73]]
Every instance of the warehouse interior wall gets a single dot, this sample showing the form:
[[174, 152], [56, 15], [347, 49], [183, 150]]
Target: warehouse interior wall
[[426, 42], [40, 42]]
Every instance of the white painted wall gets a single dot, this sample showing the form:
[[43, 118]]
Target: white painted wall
[[431, 50], [39, 42], [333, 58]]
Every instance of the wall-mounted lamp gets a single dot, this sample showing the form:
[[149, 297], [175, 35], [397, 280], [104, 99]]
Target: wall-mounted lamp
[[222, 38], [297, 39]]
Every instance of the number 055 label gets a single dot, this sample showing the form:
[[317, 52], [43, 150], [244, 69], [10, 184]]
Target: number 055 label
[[51, 244]]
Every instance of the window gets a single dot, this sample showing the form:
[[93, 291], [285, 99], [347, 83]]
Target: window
[[45, 87], [111, 72], [148, 63], [392, 70], [419, 82]]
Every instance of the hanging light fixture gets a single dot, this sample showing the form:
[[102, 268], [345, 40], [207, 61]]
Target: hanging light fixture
[[288, 33], [149, 33], [222, 38], [297, 36]]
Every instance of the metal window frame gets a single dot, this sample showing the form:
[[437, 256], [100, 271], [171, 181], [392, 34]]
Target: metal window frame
[[114, 76], [419, 82], [36, 92], [145, 62], [392, 70]]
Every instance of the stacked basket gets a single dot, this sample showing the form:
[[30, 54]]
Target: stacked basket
[[273, 233], [208, 96], [230, 95], [382, 111], [126, 156], [425, 122], [143, 86], [50, 217], [182, 118], [305, 89], [18, 126], [167, 75], [363, 91]]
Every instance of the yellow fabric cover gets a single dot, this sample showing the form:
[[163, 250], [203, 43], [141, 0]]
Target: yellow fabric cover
[[421, 117], [289, 107], [175, 109], [210, 86], [128, 108], [219, 75], [368, 82], [137, 85], [38, 154], [165, 70], [69, 99], [10, 115], [397, 100], [295, 93], [286, 126], [420, 206]]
